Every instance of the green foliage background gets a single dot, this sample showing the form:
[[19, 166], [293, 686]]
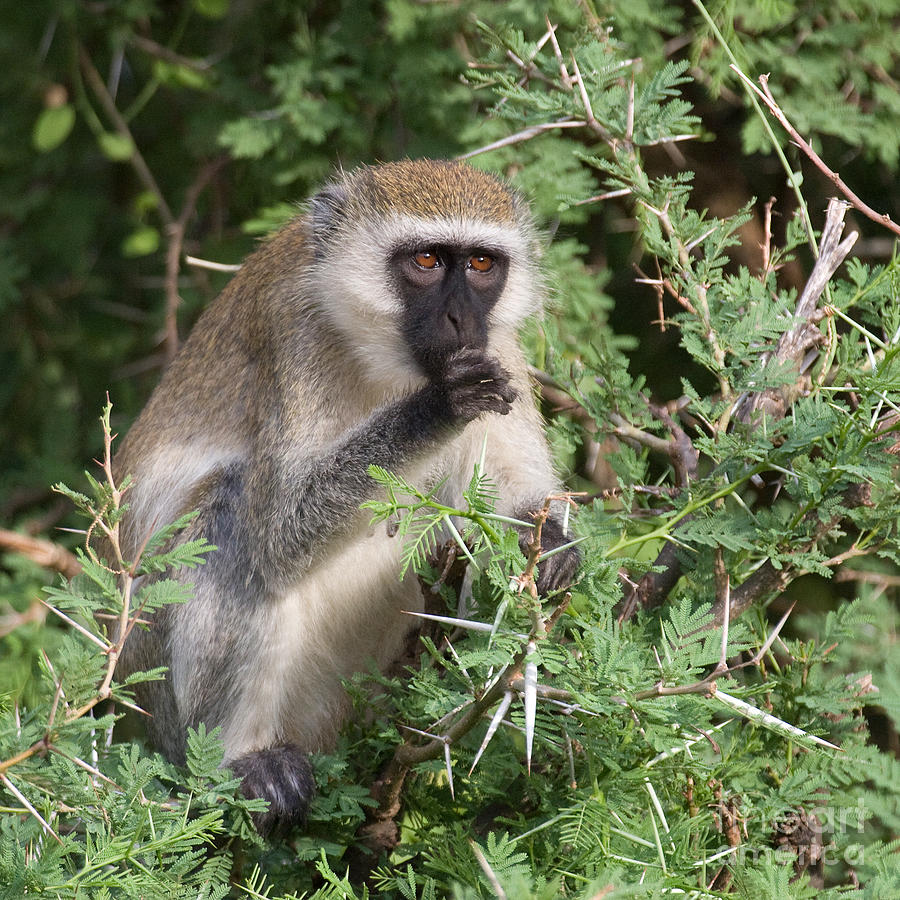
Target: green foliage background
[[253, 104]]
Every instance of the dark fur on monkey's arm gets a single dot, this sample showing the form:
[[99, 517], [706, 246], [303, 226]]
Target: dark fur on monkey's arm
[[294, 507]]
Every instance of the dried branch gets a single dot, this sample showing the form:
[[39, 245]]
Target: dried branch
[[766, 96], [175, 232], [44, 553], [796, 343]]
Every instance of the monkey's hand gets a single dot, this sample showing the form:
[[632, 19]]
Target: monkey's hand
[[554, 572], [471, 384]]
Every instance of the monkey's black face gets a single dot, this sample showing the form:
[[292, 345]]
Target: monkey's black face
[[448, 293]]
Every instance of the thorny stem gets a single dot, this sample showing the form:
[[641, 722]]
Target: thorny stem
[[127, 576], [766, 95], [389, 786], [773, 140]]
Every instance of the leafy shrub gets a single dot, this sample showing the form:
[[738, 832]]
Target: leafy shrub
[[673, 725]]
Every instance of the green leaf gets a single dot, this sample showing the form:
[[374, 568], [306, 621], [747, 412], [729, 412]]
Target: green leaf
[[178, 74], [52, 127], [141, 242], [117, 147], [211, 9], [189, 554]]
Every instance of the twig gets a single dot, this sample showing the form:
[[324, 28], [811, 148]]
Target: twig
[[138, 163], [489, 873], [564, 76], [175, 233], [25, 802], [802, 336], [757, 657], [602, 132], [526, 134], [766, 95], [776, 144], [79, 628], [44, 553], [723, 596]]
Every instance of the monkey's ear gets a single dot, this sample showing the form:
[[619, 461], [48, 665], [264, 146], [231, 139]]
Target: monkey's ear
[[326, 209]]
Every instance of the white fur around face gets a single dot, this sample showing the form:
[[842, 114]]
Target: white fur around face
[[365, 307]]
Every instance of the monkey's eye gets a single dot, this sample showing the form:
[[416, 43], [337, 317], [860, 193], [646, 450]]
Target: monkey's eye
[[481, 262], [426, 259]]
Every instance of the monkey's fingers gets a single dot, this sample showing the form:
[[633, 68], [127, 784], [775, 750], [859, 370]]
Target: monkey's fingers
[[557, 571], [283, 776], [498, 404], [468, 402], [507, 392]]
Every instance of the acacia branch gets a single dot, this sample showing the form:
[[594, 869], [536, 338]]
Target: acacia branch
[[43, 552], [175, 232], [796, 347], [138, 163], [126, 617], [766, 96], [380, 831]]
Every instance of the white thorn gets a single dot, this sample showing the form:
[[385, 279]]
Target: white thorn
[[449, 767], [496, 719], [530, 701]]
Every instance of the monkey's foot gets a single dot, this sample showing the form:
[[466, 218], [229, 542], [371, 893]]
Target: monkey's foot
[[283, 776]]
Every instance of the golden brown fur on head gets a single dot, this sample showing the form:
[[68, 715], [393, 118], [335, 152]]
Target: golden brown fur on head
[[425, 188]]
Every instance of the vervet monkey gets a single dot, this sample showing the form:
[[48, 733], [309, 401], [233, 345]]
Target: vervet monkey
[[379, 327]]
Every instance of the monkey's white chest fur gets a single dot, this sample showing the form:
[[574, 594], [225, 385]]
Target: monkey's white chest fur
[[343, 616]]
